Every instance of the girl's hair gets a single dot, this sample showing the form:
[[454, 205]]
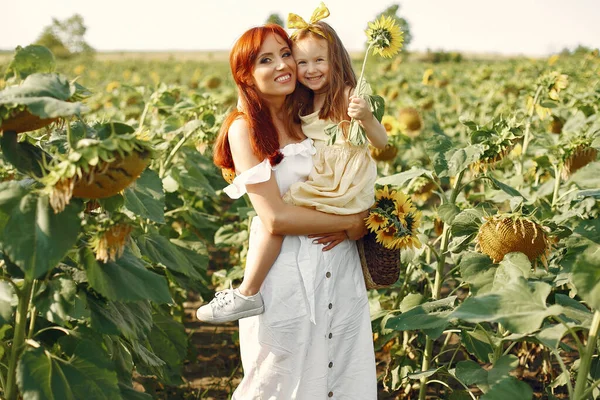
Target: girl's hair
[[263, 134], [341, 76]]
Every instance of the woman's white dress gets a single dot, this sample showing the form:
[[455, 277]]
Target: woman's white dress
[[314, 340]]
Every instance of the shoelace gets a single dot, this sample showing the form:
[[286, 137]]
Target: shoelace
[[222, 298]]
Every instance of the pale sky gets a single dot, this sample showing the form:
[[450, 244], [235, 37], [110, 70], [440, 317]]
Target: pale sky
[[527, 27]]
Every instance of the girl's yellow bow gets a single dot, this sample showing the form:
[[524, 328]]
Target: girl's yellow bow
[[297, 22]]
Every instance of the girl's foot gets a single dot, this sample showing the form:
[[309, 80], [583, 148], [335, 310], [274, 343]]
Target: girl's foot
[[230, 305]]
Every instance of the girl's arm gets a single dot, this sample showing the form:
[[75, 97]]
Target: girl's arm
[[359, 110], [278, 217]]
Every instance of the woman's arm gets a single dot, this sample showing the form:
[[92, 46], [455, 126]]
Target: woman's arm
[[278, 217]]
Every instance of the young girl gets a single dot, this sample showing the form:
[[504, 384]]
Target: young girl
[[343, 176]]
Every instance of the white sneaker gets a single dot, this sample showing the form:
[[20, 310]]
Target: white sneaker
[[230, 305]]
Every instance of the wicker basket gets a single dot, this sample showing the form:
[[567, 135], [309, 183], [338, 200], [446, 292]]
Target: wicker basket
[[381, 266]]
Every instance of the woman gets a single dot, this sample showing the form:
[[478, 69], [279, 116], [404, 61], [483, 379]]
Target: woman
[[314, 339]]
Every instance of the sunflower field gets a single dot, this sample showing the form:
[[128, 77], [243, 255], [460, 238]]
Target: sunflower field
[[114, 228]]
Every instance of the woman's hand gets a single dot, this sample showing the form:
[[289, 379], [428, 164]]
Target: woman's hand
[[329, 239], [359, 228]]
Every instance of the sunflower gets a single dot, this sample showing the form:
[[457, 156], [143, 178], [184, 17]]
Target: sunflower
[[578, 157], [394, 219], [385, 36], [391, 125], [376, 221], [388, 153], [387, 236], [109, 244], [403, 204], [384, 197], [503, 234]]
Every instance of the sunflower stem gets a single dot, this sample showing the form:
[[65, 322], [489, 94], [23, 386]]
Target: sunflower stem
[[18, 339], [359, 93], [526, 136], [586, 358], [437, 284], [164, 168], [557, 173]]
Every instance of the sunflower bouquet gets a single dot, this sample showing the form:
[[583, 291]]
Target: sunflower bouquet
[[392, 223]]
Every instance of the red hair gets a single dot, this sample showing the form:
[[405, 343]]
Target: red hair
[[263, 134]]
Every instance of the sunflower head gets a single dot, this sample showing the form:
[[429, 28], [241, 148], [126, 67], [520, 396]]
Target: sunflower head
[[109, 243], [410, 121], [376, 221], [505, 234], [577, 157], [388, 153], [385, 36]]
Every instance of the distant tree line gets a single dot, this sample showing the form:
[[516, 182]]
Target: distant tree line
[[65, 38]]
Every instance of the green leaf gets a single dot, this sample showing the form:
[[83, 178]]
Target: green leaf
[[506, 188], [589, 193], [501, 368], [478, 271], [377, 106], [132, 320], [431, 318], [587, 177], [206, 224], [161, 251], [477, 344], [333, 130], [512, 266], [190, 176], [550, 335], [400, 179], [29, 60], [437, 146], [57, 300], [423, 374], [231, 234], [39, 377], [519, 306], [509, 388], [410, 301], [573, 309], [471, 373], [589, 229], [447, 212], [146, 197], [44, 95], [89, 370], [34, 237], [586, 276], [466, 222], [462, 158], [356, 134], [125, 279], [168, 341]]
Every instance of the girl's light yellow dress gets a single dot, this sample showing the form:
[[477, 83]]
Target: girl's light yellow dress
[[343, 176]]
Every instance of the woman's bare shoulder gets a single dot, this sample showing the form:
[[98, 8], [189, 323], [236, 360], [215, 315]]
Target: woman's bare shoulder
[[239, 133], [240, 145]]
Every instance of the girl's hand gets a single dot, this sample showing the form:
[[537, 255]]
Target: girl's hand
[[329, 239], [359, 229], [359, 109]]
